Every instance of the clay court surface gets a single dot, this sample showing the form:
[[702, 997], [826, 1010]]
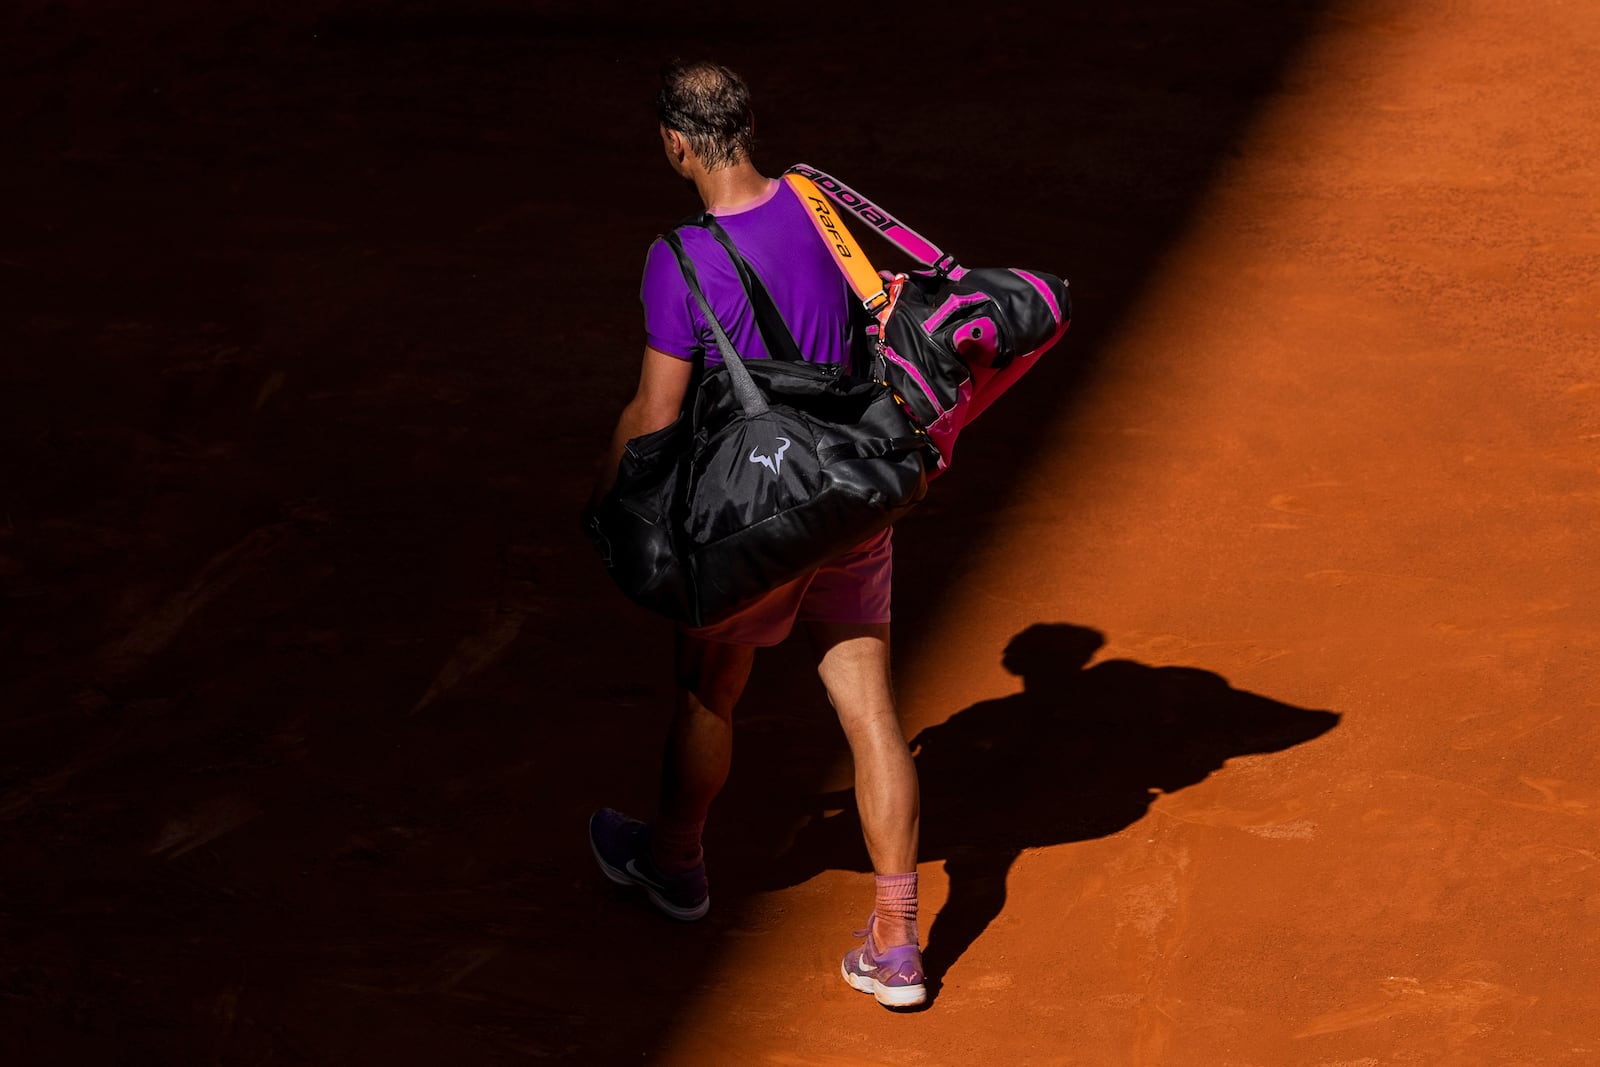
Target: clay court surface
[[313, 324]]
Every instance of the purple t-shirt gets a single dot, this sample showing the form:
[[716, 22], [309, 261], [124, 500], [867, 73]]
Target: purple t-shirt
[[778, 240]]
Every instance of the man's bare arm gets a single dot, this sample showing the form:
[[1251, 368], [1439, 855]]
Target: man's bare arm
[[663, 381]]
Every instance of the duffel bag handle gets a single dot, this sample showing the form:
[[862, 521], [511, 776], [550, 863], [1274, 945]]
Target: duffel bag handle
[[744, 387]]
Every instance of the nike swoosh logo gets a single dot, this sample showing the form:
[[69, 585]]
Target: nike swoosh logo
[[632, 867], [862, 966]]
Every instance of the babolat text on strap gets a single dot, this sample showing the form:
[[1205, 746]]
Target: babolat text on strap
[[893, 230], [846, 252]]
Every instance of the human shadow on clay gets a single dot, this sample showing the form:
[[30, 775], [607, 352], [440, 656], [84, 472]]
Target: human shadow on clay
[[1080, 753]]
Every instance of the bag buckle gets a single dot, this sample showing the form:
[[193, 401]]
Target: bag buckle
[[880, 305]]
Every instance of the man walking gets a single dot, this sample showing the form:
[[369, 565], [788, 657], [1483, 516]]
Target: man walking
[[707, 128]]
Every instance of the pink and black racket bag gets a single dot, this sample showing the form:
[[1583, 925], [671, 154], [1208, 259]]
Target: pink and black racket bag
[[951, 339]]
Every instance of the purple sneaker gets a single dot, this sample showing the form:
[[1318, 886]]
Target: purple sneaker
[[622, 848], [894, 977]]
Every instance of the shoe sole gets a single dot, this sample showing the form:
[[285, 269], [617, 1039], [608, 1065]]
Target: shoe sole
[[890, 996], [663, 905]]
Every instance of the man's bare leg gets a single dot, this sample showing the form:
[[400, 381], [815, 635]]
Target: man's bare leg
[[853, 662], [699, 748]]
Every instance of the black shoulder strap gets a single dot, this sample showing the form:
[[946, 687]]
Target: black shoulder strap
[[775, 333], [744, 387]]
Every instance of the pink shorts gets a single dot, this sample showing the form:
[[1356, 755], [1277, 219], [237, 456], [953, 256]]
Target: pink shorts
[[851, 588]]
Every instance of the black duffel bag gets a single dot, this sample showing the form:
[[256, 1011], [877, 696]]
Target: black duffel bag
[[774, 467]]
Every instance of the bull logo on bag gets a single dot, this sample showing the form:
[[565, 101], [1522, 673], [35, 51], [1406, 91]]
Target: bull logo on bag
[[774, 461]]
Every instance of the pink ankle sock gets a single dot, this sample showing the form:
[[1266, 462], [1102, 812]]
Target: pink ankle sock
[[675, 846], [895, 906]]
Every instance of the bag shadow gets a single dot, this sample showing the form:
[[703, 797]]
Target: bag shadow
[[1079, 753]]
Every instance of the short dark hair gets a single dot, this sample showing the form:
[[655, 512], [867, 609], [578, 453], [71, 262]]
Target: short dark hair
[[710, 105]]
